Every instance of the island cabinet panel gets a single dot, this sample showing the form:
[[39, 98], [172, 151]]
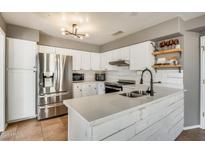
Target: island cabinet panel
[[161, 119], [101, 131], [78, 128], [154, 127], [160, 130]]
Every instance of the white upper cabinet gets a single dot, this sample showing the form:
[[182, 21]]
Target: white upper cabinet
[[103, 61], [110, 57], [62, 51], [46, 49], [76, 59], [85, 61], [116, 55], [95, 61], [21, 53], [141, 56], [138, 55], [125, 53]]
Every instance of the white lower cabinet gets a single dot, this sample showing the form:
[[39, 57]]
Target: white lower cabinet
[[87, 89], [77, 90], [21, 94], [100, 88], [142, 123]]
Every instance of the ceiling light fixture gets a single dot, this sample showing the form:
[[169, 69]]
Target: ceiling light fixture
[[74, 32]]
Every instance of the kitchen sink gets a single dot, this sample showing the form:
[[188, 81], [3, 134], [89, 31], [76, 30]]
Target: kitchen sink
[[136, 93]]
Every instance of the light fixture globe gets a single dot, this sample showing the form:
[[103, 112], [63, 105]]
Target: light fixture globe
[[74, 32]]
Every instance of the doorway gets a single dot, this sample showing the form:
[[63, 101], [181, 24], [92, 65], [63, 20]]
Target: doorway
[[2, 80], [202, 82]]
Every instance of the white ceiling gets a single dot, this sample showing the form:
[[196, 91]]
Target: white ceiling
[[100, 26]]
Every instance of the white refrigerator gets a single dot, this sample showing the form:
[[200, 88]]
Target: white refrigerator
[[21, 79]]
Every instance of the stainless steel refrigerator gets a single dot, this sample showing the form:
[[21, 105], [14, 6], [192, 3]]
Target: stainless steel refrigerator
[[54, 84]]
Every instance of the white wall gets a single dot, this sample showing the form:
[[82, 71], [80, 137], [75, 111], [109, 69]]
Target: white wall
[[2, 80], [169, 78]]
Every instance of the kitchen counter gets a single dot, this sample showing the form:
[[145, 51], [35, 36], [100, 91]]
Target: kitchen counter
[[93, 108], [87, 81], [111, 116]]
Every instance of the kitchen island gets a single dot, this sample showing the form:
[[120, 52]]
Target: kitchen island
[[116, 117]]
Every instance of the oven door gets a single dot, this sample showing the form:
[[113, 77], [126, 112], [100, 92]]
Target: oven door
[[111, 89]]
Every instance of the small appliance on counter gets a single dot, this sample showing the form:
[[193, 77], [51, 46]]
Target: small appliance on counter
[[111, 87], [100, 77], [78, 77]]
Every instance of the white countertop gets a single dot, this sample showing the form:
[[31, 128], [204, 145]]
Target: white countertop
[[88, 82], [93, 108]]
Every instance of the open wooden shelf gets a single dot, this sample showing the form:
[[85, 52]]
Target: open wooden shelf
[[167, 66], [167, 51]]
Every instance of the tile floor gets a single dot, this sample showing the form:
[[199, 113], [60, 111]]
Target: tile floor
[[32, 130], [192, 135], [56, 130]]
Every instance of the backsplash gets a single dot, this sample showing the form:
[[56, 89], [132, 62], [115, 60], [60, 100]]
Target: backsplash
[[169, 78]]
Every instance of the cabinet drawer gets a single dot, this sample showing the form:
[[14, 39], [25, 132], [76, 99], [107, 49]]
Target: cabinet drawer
[[89, 85], [77, 86], [77, 93], [123, 135], [101, 85], [52, 110], [159, 106]]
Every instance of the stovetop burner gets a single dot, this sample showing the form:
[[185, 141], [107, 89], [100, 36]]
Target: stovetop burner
[[120, 83]]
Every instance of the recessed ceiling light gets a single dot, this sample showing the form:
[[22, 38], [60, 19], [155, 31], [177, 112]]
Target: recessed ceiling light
[[86, 35], [62, 29], [63, 33]]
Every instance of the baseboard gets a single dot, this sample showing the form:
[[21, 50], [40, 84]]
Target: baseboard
[[22, 119], [192, 127]]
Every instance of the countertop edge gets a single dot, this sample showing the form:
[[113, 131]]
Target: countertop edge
[[121, 113]]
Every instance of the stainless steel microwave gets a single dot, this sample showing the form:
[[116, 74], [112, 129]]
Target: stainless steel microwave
[[78, 76], [100, 77]]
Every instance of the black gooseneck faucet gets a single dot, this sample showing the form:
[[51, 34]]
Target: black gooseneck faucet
[[151, 81]]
